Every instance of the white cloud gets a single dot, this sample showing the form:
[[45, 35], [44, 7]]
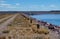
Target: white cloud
[[5, 5], [17, 4], [53, 6], [42, 6], [2, 1]]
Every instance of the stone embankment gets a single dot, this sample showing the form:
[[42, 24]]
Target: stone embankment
[[54, 30]]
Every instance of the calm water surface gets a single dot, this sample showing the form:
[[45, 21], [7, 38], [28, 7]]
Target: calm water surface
[[50, 18]]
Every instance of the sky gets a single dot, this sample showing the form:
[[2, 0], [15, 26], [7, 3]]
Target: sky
[[29, 5]]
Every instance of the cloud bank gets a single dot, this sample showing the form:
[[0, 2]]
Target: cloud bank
[[32, 7]]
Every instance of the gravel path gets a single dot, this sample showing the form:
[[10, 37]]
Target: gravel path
[[3, 26], [4, 18]]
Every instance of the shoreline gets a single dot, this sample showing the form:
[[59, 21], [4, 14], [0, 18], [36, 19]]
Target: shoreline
[[46, 24], [33, 12]]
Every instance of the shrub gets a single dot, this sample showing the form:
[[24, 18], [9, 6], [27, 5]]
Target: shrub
[[9, 24], [34, 28], [38, 38], [6, 31], [43, 31]]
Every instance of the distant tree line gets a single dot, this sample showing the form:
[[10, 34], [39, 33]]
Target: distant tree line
[[32, 12]]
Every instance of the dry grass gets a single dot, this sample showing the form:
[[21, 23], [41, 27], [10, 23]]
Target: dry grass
[[43, 31], [23, 29], [4, 15]]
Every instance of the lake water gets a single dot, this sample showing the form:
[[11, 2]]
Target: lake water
[[50, 18]]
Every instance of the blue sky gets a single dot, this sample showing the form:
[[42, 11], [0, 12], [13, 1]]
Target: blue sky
[[29, 5]]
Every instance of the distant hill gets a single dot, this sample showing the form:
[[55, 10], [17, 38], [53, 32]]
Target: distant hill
[[32, 12]]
